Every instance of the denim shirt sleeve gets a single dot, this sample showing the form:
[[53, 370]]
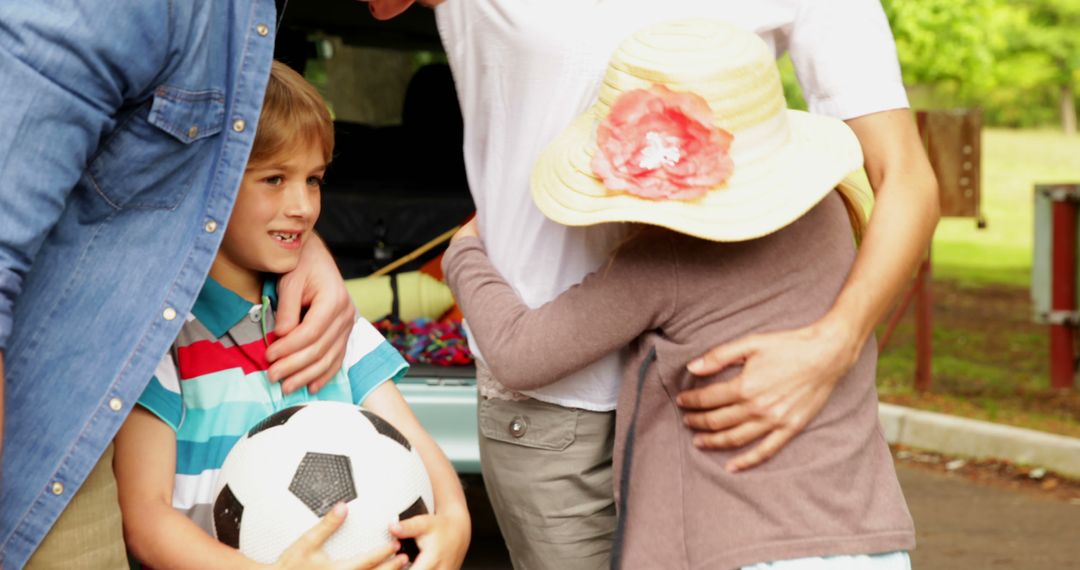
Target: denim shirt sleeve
[[67, 71]]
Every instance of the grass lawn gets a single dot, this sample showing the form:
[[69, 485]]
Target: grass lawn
[[990, 361], [1013, 162]]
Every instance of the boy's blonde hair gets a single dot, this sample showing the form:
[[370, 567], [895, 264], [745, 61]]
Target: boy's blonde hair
[[293, 113]]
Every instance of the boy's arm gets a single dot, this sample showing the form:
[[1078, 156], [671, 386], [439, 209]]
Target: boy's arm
[[160, 537], [529, 348], [156, 533], [444, 537]]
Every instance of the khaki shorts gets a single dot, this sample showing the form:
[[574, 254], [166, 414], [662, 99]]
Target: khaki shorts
[[547, 470], [88, 535]]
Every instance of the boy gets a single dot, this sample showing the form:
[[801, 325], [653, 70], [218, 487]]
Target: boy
[[212, 385]]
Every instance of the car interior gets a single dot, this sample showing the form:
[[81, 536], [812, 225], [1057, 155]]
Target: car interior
[[397, 184]]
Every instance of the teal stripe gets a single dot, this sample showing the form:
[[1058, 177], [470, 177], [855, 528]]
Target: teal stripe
[[218, 308], [232, 419], [381, 364], [231, 386], [336, 391], [163, 403], [192, 458], [236, 418]]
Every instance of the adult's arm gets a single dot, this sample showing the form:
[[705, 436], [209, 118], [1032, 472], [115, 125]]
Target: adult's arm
[[65, 75], [1, 404], [312, 344], [528, 348], [788, 376]]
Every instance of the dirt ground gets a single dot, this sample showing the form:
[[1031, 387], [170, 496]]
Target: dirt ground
[[995, 473], [990, 361]]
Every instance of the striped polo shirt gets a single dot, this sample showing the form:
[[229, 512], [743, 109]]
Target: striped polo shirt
[[212, 386]]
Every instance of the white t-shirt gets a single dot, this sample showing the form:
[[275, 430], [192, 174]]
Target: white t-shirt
[[524, 69]]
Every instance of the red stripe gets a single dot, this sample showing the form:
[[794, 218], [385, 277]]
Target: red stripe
[[206, 357]]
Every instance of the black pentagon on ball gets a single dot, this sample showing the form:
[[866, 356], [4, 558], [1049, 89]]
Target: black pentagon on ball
[[383, 427], [275, 419], [322, 480], [415, 509], [227, 515]]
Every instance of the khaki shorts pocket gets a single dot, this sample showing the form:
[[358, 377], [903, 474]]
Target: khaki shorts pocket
[[528, 423]]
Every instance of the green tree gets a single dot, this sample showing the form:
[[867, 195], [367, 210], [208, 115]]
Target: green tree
[[948, 47], [1054, 32], [1017, 59]]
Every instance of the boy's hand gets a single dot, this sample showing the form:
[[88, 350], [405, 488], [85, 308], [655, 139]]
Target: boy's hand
[[443, 539], [469, 229], [307, 551], [309, 352]]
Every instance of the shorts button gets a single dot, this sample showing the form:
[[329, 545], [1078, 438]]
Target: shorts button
[[518, 426]]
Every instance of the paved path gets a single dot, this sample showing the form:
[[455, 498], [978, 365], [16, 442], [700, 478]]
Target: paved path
[[964, 525], [961, 525]]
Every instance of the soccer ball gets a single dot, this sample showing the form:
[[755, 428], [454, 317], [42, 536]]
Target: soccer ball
[[294, 466]]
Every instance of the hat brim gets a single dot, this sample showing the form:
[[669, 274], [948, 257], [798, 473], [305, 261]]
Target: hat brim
[[757, 200]]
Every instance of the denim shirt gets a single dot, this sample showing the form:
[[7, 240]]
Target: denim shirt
[[125, 127]]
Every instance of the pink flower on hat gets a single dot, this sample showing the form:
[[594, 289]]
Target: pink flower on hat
[[661, 145]]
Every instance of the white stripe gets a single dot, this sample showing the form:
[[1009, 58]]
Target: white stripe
[[190, 490], [363, 339], [167, 374]]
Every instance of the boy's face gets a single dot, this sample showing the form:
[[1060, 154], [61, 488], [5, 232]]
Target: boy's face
[[275, 212]]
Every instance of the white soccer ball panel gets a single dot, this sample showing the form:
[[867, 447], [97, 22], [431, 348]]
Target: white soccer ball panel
[[316, 451]]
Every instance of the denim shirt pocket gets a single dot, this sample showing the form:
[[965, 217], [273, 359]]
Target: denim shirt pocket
[[159, 150], [188, 115]]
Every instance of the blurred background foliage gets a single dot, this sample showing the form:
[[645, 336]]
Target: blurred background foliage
[[1018, 60]]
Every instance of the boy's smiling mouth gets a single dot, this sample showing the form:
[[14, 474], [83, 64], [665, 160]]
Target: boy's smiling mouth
[[286, 238]]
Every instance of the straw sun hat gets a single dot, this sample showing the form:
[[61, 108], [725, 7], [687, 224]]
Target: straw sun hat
[[691, 132]]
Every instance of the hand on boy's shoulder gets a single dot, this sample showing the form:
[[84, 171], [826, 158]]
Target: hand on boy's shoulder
[[311, 344]]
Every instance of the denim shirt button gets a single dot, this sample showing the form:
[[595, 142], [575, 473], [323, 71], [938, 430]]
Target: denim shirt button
[[57, 488], [169, 313], [193, 132], [115, 404], [239, 125], [210, 227], [262, 29]]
